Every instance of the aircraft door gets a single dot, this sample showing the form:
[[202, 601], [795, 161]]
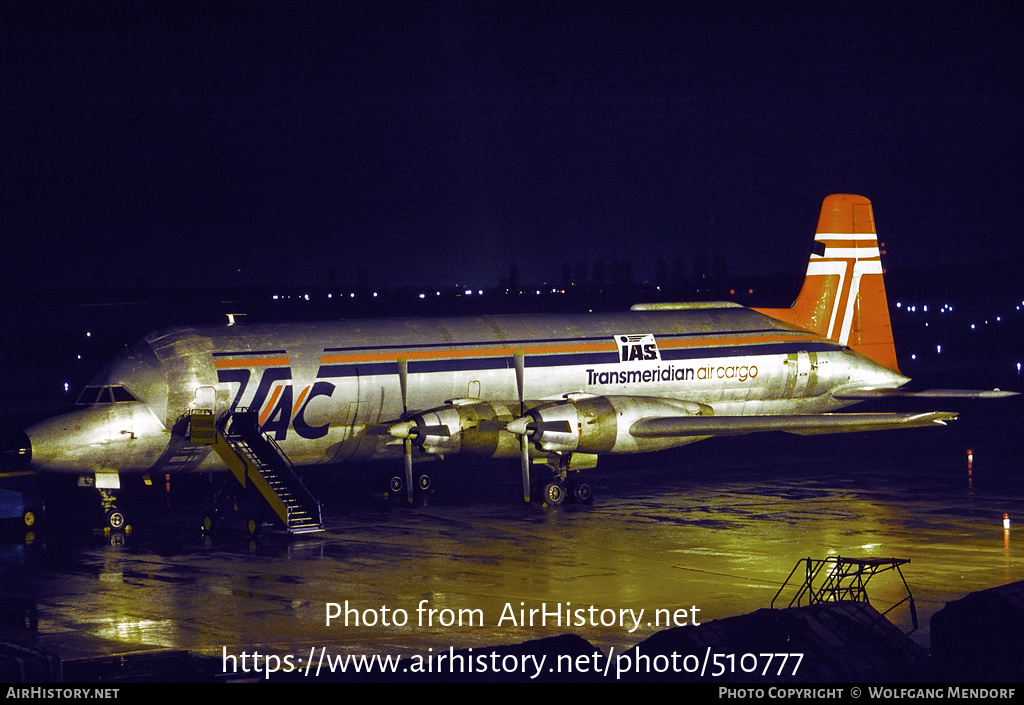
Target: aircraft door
[[206, 398], [803, 373]]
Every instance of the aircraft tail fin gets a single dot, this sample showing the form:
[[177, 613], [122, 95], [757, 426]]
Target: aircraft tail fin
[[843, 296]]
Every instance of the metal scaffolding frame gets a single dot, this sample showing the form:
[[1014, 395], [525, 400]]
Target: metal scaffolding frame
[[845, 579]]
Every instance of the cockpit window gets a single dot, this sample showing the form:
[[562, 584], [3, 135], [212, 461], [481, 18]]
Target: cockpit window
[[104, 395], [88, 396], [121, 394]]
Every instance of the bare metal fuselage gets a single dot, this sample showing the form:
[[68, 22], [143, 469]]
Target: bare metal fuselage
[[332, 392]]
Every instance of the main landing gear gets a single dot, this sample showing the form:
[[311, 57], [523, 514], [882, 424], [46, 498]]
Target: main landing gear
[[574, 488], [396, 485], [568, 483]]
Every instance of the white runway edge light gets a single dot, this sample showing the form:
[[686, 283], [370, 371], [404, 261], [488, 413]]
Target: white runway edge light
[[1006, 521]]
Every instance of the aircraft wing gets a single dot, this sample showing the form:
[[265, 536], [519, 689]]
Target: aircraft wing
[[808, 424], [926, 394]]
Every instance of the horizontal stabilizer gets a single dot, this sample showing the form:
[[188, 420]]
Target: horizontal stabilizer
[[806, 424], [926, 394]]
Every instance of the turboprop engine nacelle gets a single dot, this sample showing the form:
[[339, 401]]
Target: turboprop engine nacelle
[[470, 426], [593, 424], [578, 423]]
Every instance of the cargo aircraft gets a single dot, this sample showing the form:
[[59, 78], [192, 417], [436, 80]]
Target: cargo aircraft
[[554, 391]]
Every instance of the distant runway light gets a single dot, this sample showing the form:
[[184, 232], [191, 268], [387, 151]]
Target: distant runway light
[[1006, 521]]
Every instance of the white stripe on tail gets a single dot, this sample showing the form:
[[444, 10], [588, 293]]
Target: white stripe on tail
[[843, 296]]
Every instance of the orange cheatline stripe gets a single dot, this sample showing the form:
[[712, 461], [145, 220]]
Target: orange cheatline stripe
[[593, 347], [270, 405], [299, 402], [252, 362]]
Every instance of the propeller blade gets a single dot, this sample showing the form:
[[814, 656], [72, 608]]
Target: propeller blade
[[524, 460], [403, 383], [520, 424], [520, 360], [408, 470]]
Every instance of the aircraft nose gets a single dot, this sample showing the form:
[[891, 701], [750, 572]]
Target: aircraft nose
[[15, 451]]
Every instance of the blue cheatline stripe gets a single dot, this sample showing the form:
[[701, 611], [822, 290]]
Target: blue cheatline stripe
[[549, 341], [567, 359]]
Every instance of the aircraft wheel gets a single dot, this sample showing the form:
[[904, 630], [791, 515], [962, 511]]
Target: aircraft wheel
[[396, 484], [115, 519], [253, 527], [554, 493], [582, 492], [424, 482]]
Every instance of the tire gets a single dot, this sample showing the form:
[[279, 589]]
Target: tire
[[253, 526], [554, 493], [582, 492], [115, 519]]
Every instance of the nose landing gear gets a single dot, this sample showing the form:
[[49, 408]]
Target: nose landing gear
[[113, 518]]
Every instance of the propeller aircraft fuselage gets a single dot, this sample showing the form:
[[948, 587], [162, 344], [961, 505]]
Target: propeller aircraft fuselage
[[554, 389]]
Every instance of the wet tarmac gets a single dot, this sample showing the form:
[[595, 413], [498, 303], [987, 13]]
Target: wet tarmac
[[706, 532]]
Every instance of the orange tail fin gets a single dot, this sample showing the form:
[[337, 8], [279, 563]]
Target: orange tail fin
[[843, 296]]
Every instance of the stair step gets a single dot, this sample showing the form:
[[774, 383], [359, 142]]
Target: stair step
[[262, 454]]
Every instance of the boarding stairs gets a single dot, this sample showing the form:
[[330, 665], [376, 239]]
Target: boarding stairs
[[258, 464]]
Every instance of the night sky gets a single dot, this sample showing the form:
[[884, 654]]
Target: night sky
[[196, 143]]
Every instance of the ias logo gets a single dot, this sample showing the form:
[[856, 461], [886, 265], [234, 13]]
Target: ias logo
[[637, 347]]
